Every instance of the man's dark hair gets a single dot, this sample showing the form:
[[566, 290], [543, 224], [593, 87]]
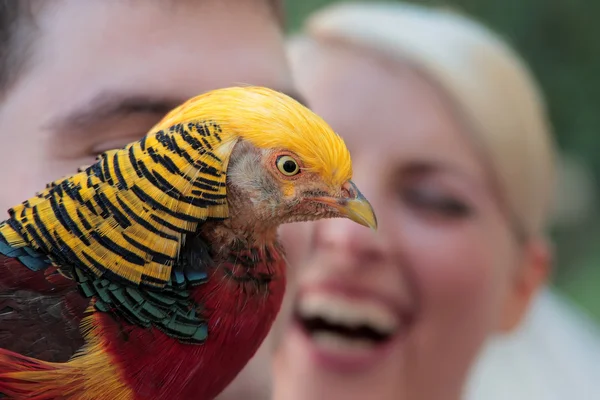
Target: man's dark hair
[[16, 19], [16, 23]]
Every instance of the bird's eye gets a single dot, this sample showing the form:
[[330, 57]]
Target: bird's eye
[[287, 165]]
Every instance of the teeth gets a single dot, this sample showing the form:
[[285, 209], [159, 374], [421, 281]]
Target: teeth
[[350, 313], [337, 343]]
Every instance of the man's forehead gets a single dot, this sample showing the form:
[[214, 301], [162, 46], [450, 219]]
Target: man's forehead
[[149, 62], [115, 36], [154, 18]]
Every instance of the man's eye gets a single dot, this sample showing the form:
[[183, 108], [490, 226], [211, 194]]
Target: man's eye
[[433, 201]]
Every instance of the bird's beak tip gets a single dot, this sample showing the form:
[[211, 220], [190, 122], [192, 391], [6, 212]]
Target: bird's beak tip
[[360, 211]]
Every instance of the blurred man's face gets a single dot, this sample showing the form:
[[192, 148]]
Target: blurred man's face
[[102, 73]]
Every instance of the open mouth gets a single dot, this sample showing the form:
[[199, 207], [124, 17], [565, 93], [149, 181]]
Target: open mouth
[[339, 323]]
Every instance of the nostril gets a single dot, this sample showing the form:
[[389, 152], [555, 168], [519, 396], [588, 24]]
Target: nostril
[[349, 190]]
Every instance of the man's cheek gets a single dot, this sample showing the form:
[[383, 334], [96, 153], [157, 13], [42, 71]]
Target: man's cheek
[[19, 182], [23, 179], [53, 168]]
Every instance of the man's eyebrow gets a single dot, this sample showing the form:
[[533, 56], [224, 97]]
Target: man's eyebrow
[[113, 105], [110, 105]]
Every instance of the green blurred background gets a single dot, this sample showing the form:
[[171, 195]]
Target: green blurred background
[[559, 40]]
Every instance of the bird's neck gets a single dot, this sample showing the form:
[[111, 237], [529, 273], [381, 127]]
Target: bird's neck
[[248, 260], [240, 234]]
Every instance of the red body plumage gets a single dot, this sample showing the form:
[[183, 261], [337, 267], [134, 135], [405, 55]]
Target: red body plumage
[[161, 368]]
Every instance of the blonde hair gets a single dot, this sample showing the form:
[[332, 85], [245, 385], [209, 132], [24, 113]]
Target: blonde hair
[[480, 73]]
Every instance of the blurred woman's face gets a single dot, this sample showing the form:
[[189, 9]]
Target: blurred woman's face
[[401, 312]]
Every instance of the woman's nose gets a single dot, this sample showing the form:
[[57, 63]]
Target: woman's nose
[[339, 234]]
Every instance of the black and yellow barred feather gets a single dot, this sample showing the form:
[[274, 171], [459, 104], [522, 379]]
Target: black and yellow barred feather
[[127, 214]]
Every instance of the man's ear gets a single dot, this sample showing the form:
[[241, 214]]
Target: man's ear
[[527, 282]]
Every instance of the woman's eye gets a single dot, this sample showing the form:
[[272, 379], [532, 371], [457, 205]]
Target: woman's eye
[[430, 200]]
